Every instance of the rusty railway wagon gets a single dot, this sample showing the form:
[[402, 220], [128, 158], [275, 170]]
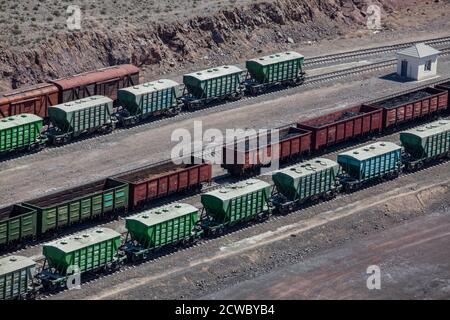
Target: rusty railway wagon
[[163, 179], [247, 156], [33, 99], [412, 106], [343, 125]]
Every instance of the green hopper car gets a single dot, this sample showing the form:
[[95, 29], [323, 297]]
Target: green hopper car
[[148, 99], [71, 119], [375, 161], [87, 202], [224, 82], [426, 143], [17, 223], [160, 227], [21, 133], [16, 277], [80, 253], [306, 181], [279, 68], [236, 203]]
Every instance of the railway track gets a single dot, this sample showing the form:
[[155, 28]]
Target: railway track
[[332, 58]]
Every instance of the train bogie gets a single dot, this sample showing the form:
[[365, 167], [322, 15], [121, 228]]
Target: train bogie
[[236, 203], [148, 99], [156, 228], [20, 133], [283, 67], [71, 119], [87, 202], [80, 253], [305, 181], [375, 161], [203, 87], [343, 125], [16, 277], [17, 223], [426, 143]]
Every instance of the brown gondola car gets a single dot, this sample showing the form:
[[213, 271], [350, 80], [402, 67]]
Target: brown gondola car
[[292, 143], [104, 82], [412, 106], [33, 99], [343, 125], [163, 179], [446, 87]]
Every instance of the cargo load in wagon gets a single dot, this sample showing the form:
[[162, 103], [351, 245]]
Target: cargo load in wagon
[[446, 87], [343, 125], [165, 178], [414, 105], [248, 154], [87, 202]]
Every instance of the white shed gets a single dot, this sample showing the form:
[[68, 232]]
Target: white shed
[[418, 62]]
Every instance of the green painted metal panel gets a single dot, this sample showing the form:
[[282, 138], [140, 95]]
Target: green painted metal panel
[[371, 161], [16, 274], [162, 226], [150, 97], [428, 141], [83, 203], [307, 179], [17, 223], [82, 115], [88, 250], [211, 83], [19, 131], [276, 68], [237, 202]]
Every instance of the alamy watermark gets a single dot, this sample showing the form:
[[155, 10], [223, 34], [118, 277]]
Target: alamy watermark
[[373, 17], [242, 146], [374, 279], [73, 21]]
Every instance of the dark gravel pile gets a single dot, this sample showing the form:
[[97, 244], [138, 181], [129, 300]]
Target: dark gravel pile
[[403, 99]]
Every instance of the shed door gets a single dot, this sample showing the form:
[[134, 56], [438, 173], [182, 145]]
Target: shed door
[[404, 72]]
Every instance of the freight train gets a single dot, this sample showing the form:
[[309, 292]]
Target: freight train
[[179, 224], [97, 101]]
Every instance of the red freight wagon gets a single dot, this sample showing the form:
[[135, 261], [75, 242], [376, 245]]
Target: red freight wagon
[[105, 82], [162, 179], [293, 143], [33, 99], [412, 105], [446, 87], [343, 125]]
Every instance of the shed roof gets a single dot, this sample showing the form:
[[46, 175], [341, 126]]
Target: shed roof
[[83, 240], [430, 129], [277, 57], [13, 263], [214, 72], [419, 50], [371, 150], [238, 189], [153, 86], [96, 76], [165, 213], [308, 167], [21, 119], [82, 103]]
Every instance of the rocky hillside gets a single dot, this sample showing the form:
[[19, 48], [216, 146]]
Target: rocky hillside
[[229, 34]]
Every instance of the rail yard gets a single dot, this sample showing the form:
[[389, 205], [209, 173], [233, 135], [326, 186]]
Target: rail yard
[[361, 180]]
